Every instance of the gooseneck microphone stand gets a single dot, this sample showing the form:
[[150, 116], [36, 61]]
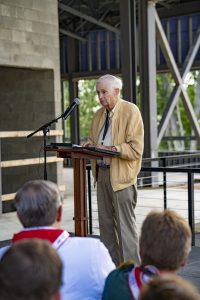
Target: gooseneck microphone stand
[[45, 129]]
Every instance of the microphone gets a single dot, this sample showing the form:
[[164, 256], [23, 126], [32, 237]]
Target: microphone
[[70, 108]]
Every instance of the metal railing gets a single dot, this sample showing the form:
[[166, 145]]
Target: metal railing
[[187, 164]]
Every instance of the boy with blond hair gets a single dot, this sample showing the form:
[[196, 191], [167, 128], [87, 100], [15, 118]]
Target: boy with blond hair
[[165, 243]]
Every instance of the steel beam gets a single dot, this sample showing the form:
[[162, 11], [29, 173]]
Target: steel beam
[[1, 210], [107, 45], [192, 7], [73, 35], [179, 79], [128, 49], [73, 90], [86, 17], [147, 51]]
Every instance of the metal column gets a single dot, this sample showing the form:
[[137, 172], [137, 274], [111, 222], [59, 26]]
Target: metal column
[[128, 49], [73, 89], [147, 51], [1, 210]]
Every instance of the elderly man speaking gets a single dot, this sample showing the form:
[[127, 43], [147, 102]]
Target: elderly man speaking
[[117, 126]]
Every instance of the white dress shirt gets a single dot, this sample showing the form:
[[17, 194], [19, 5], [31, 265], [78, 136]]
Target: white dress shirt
[[86, 265]]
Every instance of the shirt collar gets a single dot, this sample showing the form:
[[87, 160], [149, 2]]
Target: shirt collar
[[111, 113]]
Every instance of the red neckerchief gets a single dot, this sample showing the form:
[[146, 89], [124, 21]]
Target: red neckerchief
[[55, 236]]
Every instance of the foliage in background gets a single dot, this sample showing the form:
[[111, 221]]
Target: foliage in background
[[165, 85], [191, 82], [89, 104]]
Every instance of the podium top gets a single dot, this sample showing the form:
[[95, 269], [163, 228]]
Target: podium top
[[67, 146]]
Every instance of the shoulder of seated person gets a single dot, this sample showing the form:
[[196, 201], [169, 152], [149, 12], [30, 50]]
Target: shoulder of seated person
[[122, 270], [87, 241], [129, 264]]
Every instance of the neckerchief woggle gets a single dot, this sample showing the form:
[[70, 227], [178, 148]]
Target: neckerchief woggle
[[139, 276]]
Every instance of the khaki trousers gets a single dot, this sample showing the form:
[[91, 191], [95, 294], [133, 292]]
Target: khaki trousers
[[117, 224]]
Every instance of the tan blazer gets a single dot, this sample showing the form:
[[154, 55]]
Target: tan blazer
[[128, 137]]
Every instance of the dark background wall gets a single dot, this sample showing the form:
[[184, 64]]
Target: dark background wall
[[26, 103], [29, 85]]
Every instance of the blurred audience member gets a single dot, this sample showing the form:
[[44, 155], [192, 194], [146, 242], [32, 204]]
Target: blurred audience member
[[86, 261], [169, 288], [30, 270], [165, 243]]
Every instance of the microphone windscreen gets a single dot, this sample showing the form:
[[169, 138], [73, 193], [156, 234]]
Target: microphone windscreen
[[77, 101]]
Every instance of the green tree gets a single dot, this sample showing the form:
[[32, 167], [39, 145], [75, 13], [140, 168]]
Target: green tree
[[165, 84], [88, 105]]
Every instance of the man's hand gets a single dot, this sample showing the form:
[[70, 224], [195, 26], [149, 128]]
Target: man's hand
[[88, 143]]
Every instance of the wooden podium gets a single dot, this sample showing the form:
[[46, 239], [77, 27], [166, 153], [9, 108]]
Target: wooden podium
[[79, 155]]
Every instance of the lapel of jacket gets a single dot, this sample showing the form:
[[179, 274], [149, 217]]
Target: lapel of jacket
[[115, 122]]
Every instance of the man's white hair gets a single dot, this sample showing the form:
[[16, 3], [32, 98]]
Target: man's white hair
[[114, 81]]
